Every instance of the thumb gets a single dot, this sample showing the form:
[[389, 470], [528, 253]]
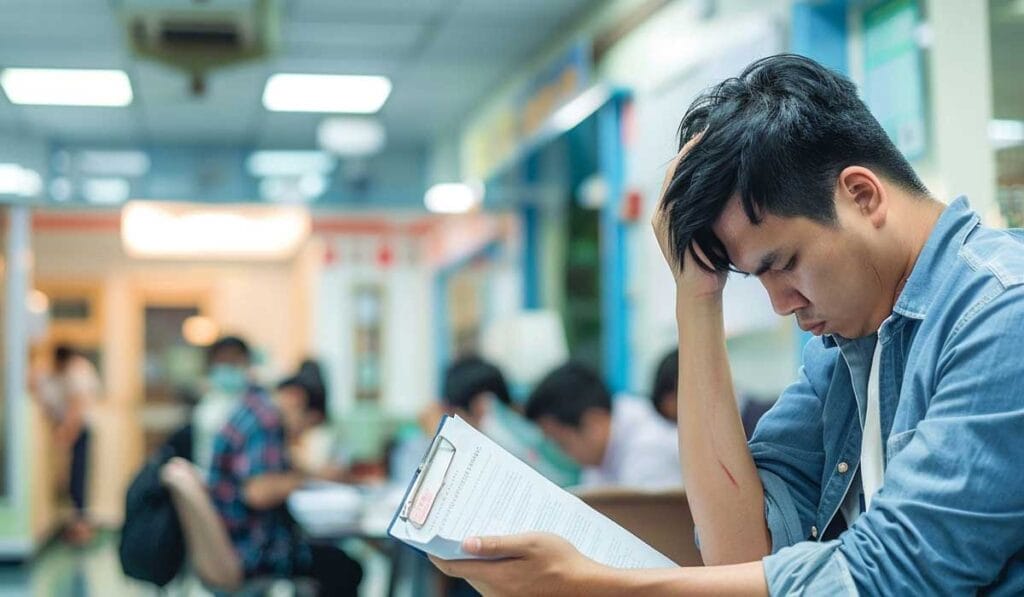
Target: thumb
[[508, 546]]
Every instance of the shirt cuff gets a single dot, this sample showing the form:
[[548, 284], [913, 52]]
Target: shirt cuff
[[809, 568], [780, 512]]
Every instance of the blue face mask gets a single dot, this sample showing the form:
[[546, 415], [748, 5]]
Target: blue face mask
[[228, 379]]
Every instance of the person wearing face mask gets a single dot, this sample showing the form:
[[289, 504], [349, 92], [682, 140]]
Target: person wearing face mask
[[253, 472], [228, 361]]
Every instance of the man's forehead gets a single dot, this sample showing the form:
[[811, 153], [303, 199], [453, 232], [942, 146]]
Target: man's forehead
[[736, 232]]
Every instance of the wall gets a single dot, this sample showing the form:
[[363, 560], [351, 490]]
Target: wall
[[256, 300], [691, 53]]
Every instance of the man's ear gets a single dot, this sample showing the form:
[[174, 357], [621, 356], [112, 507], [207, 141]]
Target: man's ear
[[861, 189]]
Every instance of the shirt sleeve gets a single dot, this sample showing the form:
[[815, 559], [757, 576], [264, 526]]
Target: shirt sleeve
[[787, 447], [948, 516]]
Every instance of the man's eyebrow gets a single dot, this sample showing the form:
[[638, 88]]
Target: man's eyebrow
[[766, 263]]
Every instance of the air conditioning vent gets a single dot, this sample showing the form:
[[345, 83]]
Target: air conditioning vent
[[198, 38], [193, 36]]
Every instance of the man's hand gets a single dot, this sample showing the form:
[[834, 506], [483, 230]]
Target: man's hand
[[691, 279], [528, 564]]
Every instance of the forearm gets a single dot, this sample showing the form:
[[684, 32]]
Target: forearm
[[271, 490], [746, 579], [725, 494]]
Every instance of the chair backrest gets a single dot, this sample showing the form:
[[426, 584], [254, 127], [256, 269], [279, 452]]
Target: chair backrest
[[209, 548], [660, 519]]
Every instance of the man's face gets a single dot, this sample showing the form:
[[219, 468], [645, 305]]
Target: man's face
[[584, 444], [291, 401], [826, 276]]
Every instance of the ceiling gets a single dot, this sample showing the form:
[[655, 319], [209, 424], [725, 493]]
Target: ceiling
[[444, 57]]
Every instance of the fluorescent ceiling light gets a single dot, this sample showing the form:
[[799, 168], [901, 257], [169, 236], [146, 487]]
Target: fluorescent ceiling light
[[451, 198], [289, 163], [18, 181], [66, 87], [132, 164], [353, 94], [293, 189], [106, 191], [351, 137], [186, 231], [1006, 133]]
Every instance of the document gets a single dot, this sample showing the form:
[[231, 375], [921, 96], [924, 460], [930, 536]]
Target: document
[[468, 486]]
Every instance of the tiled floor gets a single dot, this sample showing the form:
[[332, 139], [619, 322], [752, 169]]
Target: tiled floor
[[94, 571], [66, 571]]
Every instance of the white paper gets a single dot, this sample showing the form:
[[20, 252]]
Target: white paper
[[488, 492]]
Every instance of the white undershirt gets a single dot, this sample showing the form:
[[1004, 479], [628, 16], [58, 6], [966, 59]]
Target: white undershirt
[[872, 459]]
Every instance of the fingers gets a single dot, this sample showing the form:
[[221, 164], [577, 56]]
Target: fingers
[[508, 546], [471, 569]]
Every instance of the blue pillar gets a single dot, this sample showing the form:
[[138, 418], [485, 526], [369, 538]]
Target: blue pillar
[[614, 306]]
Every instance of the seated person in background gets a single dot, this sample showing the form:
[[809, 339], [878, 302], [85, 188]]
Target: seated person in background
[[470, 386], [251, 478], [622, 444], [228, 363], [666, 378], [476, 391]]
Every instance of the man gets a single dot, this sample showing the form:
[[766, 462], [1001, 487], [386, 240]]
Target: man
[[471, 384], [228, 378], [68, 397], [624, 444], [666, 380], [251, 478], [911, 443]]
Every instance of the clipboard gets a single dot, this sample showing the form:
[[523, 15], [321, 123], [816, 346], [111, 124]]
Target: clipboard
[[422, 493], [462, 479]]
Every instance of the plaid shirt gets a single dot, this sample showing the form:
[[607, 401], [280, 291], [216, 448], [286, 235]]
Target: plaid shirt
[[252, 443]]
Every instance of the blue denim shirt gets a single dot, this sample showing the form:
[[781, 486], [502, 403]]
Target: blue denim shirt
[[949, 518]]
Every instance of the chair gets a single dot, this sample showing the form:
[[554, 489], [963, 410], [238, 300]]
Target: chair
[[661, 519]]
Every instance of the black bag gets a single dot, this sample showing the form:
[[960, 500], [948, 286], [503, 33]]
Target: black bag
[[152, 546]]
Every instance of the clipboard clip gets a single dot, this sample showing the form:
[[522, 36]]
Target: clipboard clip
[[430, 478]]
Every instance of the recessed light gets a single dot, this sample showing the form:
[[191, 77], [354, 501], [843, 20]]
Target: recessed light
[[66, 87], [351, 137], [451, 198], [353, 94]]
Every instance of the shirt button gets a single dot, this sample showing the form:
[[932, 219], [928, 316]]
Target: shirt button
[[814, 532], [842, 468]]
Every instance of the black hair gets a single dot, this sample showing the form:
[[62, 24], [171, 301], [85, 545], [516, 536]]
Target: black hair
[[778, 135], [316, 398], [568, 392], [62, 354], [470, 376], [666, 378], [227, 343]]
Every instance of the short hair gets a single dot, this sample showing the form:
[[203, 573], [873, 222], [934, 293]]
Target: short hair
[[227, 343], [316, 398], [470, 376], [778, 136], [63, 353], [568, 392], [666, 378]]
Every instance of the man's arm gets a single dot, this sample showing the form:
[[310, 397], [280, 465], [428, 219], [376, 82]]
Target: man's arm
[[545, 564], [270, 490], [724, 491]]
